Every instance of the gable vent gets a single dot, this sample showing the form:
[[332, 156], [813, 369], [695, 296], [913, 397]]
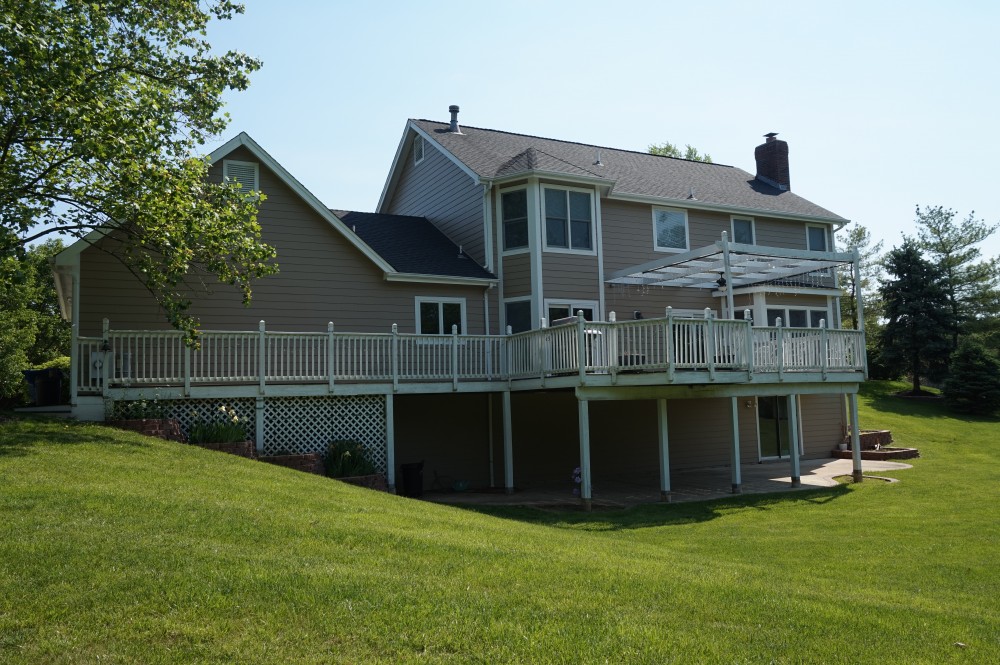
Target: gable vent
[[245, 173]]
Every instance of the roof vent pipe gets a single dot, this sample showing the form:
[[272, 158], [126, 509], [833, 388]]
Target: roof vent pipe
[[454, 128]]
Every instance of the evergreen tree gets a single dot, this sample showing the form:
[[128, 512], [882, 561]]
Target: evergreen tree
[[918, 328], [972, 285], [973, 385]]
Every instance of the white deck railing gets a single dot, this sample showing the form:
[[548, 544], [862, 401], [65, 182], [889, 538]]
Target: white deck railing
[[124, 358]]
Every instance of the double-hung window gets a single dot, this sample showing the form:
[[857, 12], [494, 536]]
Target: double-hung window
[[816, 239], [798, 317], [743, 231], [670, 229], [514, 212], [569, 219], [436, 316]]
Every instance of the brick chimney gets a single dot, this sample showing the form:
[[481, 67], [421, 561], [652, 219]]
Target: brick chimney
[[772, 162]]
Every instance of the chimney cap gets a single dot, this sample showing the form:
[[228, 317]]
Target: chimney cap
[[453, 108], [770, 135]]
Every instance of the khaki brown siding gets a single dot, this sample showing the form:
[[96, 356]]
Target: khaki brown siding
[[570, 276], [443, 193], [823, 424], [517, 275], [322, 278]]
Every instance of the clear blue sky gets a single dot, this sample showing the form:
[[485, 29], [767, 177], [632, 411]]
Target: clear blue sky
[[885, 105]]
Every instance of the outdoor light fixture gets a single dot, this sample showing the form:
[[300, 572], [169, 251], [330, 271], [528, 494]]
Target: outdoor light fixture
[[721, 282]]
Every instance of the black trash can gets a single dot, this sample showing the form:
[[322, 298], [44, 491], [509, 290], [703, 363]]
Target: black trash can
[[413, 479]]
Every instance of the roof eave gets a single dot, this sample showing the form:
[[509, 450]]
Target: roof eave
[[721, 207], [440, 279]]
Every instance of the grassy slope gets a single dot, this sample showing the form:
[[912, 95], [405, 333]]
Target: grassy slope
[[130, 549]]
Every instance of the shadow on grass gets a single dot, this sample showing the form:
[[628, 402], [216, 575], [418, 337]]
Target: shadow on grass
[[659, 514], [883, 397], [22, 435]]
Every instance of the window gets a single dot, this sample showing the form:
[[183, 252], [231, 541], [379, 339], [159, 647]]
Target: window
[[556, 310], [418, 150], [514, 212], [568, 219], [244, 173], [743, 231], [797, 317], [670, 232], [816, 238], [518, 315], [436, 316]]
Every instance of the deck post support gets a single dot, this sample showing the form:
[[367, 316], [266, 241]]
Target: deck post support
[[454, 357], [107, 356], [394, 359], [663, 430], [259, 425], [187, 370], [728, 276], [508, 446], [583, 408], [710, 343], [581, 341], [793, 425], [860, 314], [390, 442], [781, 350], [671, 351], [261, 355], [330, 355], [852, 400], [735, 452]]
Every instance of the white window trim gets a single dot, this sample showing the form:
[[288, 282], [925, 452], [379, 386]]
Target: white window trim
[[419, 141], [826, 237], [687, 231], [732, 227], [419, 300], [500, 226], [254, 165], [544, 223], [573, 305], [800, 308]]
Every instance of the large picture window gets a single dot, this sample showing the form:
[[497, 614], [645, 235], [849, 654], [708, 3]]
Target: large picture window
[[670, 229], [569, 219], [518, 315], [514, 212], [436, 316], [798, 317]]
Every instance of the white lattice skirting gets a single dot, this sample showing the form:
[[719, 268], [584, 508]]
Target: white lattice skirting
[[188, 411], [308, 424], [298, 425]]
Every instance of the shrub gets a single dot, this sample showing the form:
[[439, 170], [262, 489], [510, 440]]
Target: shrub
[[973, 385], [137, 409], [347, 458], [230, 429]]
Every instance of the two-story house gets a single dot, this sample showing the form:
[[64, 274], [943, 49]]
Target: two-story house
[[516, 307]]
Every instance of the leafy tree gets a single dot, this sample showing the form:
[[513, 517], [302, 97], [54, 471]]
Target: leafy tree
[[974, 383], [668, 149], [102, 106], [870, 269], [31, 330], [972, 285], [918, 322]]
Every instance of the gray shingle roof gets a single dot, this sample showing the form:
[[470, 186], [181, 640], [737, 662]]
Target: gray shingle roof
[[495, 154], [412, 245]]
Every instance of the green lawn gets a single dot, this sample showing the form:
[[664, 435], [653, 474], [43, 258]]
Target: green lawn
[[118, 548]]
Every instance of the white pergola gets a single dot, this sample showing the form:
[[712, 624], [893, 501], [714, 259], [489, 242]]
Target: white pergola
[[725, 266]]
